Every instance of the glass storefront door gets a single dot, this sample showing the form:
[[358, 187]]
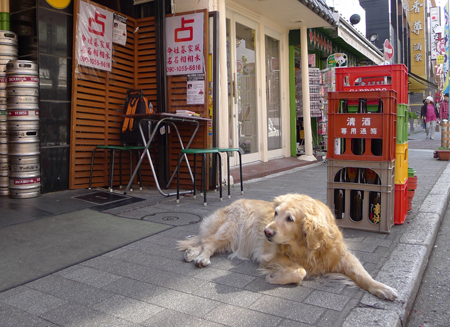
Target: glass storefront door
[[273, 98], [244, 118]]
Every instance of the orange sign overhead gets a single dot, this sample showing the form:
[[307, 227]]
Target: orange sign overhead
[[418, 46]]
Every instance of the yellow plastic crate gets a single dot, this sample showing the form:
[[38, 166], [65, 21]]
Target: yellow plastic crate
[[401, 163]]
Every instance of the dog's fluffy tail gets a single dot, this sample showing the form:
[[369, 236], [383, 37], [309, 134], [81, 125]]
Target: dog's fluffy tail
[[189, 243]]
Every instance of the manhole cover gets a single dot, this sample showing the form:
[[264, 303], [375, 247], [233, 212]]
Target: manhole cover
[[174, 218], [170, 218], [101, 197]]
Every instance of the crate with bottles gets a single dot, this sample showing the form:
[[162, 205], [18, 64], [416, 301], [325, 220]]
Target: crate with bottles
[[362, 125], [362, 194], [374, 78]]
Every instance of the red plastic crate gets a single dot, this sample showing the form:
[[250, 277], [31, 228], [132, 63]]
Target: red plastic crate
[[374, 78], [401, 203], [367, 126]]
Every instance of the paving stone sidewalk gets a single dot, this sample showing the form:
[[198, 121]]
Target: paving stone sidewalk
[[146, 283]]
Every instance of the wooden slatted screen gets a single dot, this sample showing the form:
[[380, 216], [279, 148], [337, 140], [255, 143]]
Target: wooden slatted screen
[[177, 99], [145, 71], [98, 98], [97, 102]]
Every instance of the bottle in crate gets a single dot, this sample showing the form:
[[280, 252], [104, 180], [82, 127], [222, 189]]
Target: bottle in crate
[[339, 195], [377, 144], [339, 147], [359, 144], [374, 197], [357, 197]]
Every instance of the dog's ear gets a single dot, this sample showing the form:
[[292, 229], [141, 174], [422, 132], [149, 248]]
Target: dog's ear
[[316, 228], [313, 232], [279, 199]]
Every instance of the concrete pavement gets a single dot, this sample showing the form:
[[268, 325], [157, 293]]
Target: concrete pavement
[[146, 283]]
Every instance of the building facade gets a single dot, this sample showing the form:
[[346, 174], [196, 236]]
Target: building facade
[[252, 71]]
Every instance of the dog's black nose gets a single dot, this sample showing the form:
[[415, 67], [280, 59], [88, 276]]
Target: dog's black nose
[[269, 232]]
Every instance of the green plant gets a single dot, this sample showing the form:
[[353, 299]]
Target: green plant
[[412, 115], [444, 148]]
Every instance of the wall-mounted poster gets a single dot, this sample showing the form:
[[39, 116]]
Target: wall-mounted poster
[[195, 89], [94, 37], [184, 44], [120, 29]]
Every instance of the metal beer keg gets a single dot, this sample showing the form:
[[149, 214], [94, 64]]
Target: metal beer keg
[[24, 185], [22, 73], [22, 108]]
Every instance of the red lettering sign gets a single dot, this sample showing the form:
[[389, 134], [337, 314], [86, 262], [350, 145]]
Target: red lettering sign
[[184, 28], [94, 29]]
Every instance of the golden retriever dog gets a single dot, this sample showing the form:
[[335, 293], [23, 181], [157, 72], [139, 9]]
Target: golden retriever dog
[[292, 237]]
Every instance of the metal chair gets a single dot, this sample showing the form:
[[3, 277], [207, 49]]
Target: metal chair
[[112, 151], [228, 151], [203, 152]]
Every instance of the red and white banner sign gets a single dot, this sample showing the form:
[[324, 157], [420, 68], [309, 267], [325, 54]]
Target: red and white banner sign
[[435, 19], [184, 44], [94, 37], [388, 50]]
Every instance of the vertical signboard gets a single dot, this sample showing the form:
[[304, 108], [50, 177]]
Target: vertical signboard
[[418, 47], [446, 48], [435, 19], [184, 44], [94, 37]]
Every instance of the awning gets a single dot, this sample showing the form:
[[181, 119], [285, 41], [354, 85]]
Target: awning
[[290, 14], [358, 42], [420, 82], [353, 42]]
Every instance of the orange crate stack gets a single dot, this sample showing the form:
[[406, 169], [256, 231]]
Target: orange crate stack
[[358, 131], [368, 126]]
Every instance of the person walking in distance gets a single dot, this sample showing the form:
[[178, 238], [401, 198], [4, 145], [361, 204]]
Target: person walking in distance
[[430, 114]]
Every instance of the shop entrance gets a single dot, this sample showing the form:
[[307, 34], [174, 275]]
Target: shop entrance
[[243, 100]]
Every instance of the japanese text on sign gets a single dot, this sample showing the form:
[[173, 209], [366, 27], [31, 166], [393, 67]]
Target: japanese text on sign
[[418, 23], [184, 44], [435, 26], [365, 126], [94, 36]]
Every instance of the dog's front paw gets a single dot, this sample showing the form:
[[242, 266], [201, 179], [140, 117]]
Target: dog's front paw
[[280, 278], [202, 261], [273, 278], [287, 276], [192, 253], [385, 293]]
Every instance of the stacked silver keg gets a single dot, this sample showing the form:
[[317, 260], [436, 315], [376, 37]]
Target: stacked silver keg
[[8, 52], [22, 91]]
